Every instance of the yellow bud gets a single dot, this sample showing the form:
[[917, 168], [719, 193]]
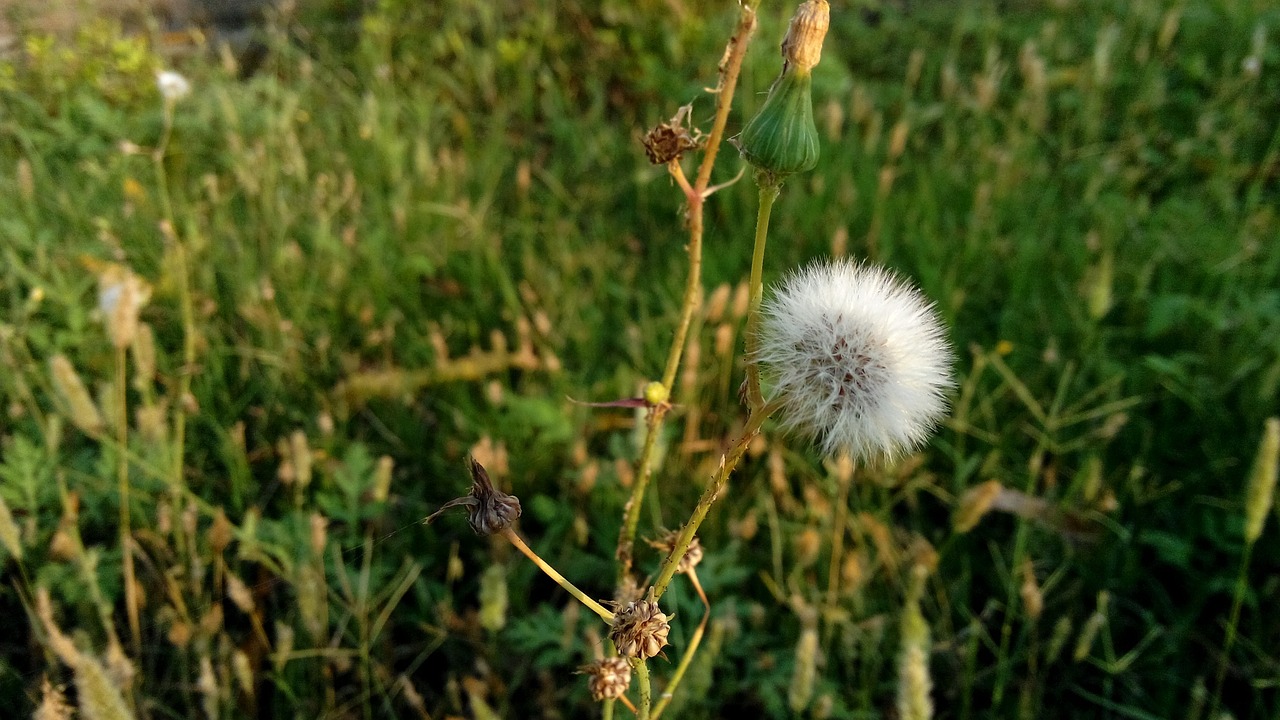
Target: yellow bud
[[655, 393]]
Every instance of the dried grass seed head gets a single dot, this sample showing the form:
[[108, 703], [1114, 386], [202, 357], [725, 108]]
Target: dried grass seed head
[[858, 358], [640, 629]]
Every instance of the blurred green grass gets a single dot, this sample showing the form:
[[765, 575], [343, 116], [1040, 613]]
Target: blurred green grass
[[1087, 190]]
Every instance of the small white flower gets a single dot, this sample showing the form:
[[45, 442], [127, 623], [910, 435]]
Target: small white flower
[[858, 358], [173, 86], [1251, 66]]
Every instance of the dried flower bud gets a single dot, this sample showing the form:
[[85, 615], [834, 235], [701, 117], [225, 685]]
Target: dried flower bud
[[640, 629], [802, 47], [671, 139], [608, 678], [489, 510], [692, 556]]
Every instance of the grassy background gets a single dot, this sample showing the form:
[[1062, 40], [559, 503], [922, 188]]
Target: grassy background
[[1087, 190]]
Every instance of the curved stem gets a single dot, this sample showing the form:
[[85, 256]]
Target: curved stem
[[687, 658], [769, 189], [551, 572]]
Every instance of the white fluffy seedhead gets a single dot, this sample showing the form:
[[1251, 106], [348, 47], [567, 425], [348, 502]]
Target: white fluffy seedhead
[[858, 358]]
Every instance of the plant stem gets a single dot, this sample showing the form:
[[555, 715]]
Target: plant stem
[[646, 693], [122, 477], [687, 658], [631, 515], [1233, 621], [841, 515], [551, 572], [728, 462], [769, 189], [695, 196]]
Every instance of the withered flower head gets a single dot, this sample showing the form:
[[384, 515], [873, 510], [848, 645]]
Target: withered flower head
[[489, 510], [608, 678], [692, 556], [640, 629], [671, 139]]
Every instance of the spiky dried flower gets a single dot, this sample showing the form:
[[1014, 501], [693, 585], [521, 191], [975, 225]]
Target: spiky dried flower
[[608, 678], [640, 629], [489, 510], [669, 140], [692, 556], [858, 359]]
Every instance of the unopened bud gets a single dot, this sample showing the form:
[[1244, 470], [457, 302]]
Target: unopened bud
[[655, 393], [782, 138]]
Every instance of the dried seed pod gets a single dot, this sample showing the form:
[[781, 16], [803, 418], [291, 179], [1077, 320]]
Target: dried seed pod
[[608, 678], [640, 629], [671, 139], [692, 556], [489, 510]]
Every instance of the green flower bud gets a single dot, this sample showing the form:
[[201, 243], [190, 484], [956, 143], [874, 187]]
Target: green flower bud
[[782, 138]]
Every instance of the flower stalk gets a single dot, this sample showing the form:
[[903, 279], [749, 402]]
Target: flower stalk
[[769, 189], [695, 197], [551, 572]]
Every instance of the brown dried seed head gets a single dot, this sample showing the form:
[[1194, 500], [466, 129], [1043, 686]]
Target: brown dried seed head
[[671, 139], [489, 510], [692, 556], [608, 678], [640, 629]]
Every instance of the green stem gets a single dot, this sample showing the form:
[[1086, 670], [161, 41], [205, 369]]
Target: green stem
[[841, 517], [646, 694], [769, 188], [1233, 621], [728, 462], [631, 515], [687, 658], [572, 589], [695, 196]]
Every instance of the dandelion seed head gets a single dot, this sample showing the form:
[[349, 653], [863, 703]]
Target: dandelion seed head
[[173, 86], [858, 358]]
